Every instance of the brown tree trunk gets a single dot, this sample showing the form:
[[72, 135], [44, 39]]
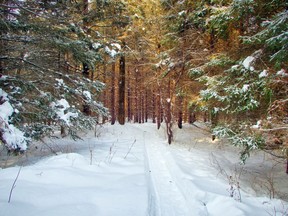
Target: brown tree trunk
[[146, 105], [287, 166], [136, 107], [112, 99], [180, 113], [86, 107], [85, 69], [153, 108], [129, 105], [121, 105], [62, 131], [104, 93], [214, 121], [142, 107], [169, 115], [212, 40], [159, 108]]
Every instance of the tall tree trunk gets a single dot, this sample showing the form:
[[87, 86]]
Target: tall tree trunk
[[185, 114], [287, 166], [146, 105], [168, 117], [180, 113], [159, 108], [214, 121], [129, 105], [136, 90], [86, 69], [153, 108], [121, 105], [104, 93], [212, 40], [112, 99], [86, 107], [142, 107]]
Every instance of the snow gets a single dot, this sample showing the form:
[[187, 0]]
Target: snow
[[264, 73], [257, 126], [118, 46], [235, 67], [11, 136], [96, 45], [245, 87], [3, 77], [6, 110], [14, 138], [87, 95], [60, 81], [181, 13], [248, 62], [61, 106], [110, 52], [130, 170], [282, 73]]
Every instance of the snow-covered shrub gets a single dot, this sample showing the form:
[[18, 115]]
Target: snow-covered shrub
[[247, 142], [10, 136]]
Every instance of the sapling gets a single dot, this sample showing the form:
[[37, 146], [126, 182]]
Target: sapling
[[234, 189], [233, 181]]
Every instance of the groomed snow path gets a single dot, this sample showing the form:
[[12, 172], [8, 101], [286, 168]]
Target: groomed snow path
[[130, 170]]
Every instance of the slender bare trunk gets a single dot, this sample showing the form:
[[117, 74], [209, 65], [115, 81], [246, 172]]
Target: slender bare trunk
[[112, 99], [121, 105]]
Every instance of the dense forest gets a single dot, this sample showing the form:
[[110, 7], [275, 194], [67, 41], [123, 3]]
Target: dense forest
[[68, 65]]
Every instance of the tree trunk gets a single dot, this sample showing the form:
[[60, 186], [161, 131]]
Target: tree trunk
[[159, 108], [86, 107], [129, 113], [136, 89], [180, 113], [63, 131], [169, 116], [153, 108], [214, 121], [112, 99], [121, 105], [287, 166], [142, 107], [146, 105], [212, 40], [104, 93]]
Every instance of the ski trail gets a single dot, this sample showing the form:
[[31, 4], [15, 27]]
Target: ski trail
[[166, 199]]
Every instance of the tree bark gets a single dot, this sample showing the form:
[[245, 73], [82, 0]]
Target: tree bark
[[180, 113], [146, 105], [169, 115], [287, 166], [112, 99], [159, 108], [121, 105], [129, 105], [153, 108]]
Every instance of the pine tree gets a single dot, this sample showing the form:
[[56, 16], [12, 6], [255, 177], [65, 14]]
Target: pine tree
[[48, 47]]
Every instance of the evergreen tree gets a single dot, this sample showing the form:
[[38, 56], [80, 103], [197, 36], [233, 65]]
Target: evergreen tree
[[45, 47]]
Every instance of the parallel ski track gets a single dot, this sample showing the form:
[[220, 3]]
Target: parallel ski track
[[165, 196]]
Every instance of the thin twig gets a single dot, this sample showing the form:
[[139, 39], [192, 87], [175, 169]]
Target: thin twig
[[274, 129], [14, 184], [130, 149]]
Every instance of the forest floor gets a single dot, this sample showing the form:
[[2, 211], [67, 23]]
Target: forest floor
[[131, 170]]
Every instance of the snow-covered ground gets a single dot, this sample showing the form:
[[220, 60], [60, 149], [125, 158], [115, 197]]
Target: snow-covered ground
[[131, 170]]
